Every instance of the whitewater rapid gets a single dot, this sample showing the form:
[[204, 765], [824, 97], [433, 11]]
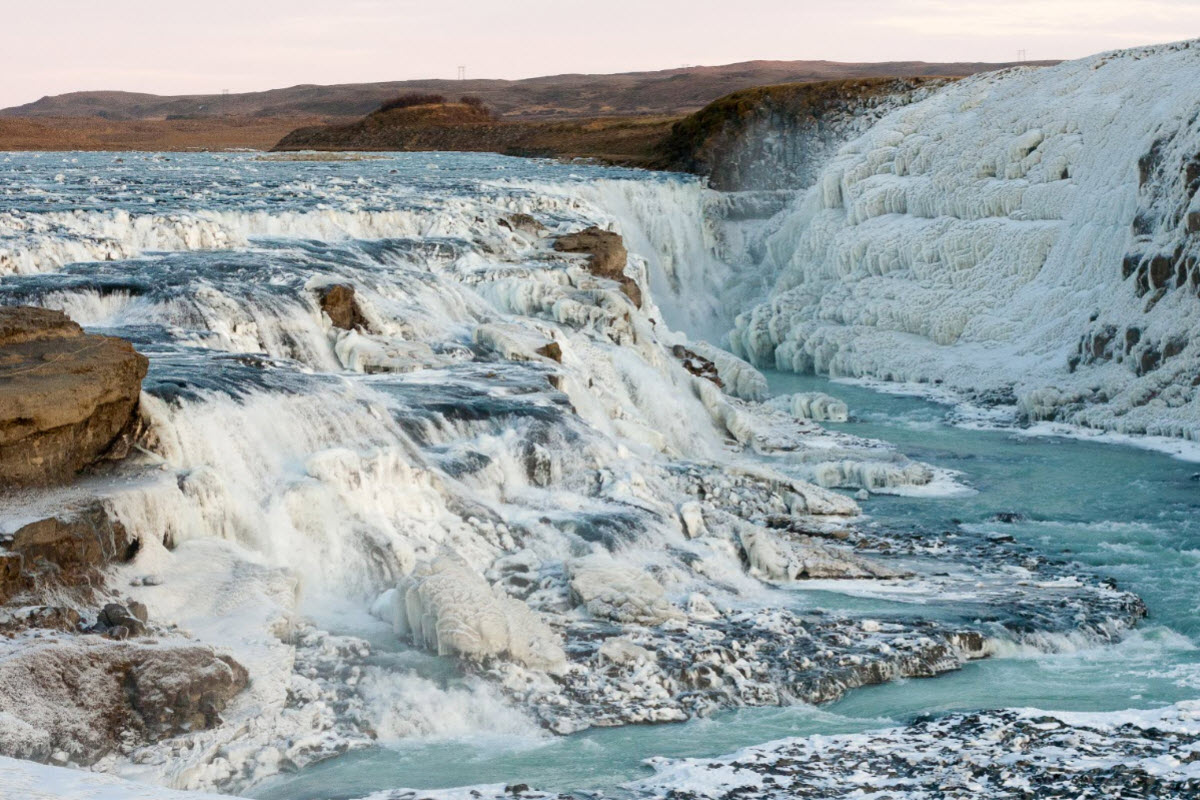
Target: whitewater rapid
[[506, 459], [513, 503]]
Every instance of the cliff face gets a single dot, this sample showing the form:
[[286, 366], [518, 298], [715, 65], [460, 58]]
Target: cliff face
[[1029, 237], [779, 137]]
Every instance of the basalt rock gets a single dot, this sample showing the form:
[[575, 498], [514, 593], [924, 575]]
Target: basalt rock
[[65, 396], [341, 306]]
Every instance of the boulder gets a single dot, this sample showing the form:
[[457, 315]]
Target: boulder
[[551, 350], [605, 250], [62, 551], [339, 303], [607, 257], [114, 616], [524, 223], [65, 396], [86, 696]]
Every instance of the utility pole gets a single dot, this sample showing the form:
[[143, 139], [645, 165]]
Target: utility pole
[[1021, 55], [462, 73]]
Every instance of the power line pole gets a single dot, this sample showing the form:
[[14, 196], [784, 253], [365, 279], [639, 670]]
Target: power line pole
[[462, 73], [1021, 55]]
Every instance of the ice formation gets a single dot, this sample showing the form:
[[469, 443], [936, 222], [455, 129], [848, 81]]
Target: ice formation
[[816, 406], [1026, 236], [447, 607], [619, 592]]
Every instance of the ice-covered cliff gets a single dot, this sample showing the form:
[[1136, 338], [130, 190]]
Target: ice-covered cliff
[[1029, 236], [779, 137]]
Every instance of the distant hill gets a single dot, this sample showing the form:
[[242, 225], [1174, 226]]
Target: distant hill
[[616, 139], [666, 92]]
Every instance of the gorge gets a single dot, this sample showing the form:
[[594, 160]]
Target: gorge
[[463, 475]]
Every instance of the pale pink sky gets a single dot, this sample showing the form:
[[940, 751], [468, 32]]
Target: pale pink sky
[[173, 47]]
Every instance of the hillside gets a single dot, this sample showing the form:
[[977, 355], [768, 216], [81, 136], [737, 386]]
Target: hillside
[[95, 133], [767, 137], [665, 92], [633, 141]]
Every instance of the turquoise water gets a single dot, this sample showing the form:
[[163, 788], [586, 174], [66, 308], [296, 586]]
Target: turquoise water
[[1125, 513]]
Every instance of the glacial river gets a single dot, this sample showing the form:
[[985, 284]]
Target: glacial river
[[208, 263], [1124, 513]]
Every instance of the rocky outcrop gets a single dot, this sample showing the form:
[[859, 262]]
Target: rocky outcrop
[[697, 364], [80, 697], [66, 550], [65, 396], [607, 257], [779, 137], [339, 303], [606, 251], [526, 223]]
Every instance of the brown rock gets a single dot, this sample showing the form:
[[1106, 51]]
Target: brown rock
[[341, 306], [63, 551], [65, 396], [607, 257], [605, 250], [551, 350]]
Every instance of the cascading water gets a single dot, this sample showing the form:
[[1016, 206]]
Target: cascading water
[[560, 512]]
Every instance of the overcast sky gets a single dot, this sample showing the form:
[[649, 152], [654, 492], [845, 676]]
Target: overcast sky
[[173, 47]]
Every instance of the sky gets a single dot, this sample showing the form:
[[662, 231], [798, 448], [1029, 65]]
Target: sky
[[174, 47]]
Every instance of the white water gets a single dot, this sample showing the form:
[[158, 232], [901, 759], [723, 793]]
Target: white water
[[298, 471], [294, 471]]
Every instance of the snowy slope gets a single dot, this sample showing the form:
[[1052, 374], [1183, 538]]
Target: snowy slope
[[1031, 232]]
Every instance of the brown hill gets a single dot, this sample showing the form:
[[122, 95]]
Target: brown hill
[[665, 92], [469, 128], [94, 133]]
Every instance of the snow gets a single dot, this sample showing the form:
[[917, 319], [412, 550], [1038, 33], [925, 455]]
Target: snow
[[24, 780]]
